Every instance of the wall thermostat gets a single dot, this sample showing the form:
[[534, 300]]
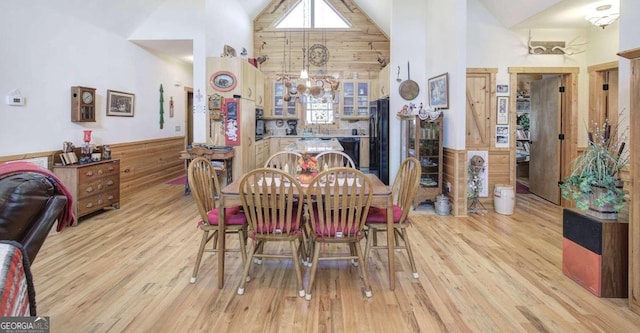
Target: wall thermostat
[[15, 100]]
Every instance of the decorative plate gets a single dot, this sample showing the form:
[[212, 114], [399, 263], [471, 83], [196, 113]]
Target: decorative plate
[[318, 54], [223, 81]]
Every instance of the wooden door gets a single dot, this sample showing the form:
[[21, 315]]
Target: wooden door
[[544, 164], [603, 96], [478, 131]]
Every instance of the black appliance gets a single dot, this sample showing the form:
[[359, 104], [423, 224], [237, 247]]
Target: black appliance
[[259, 124], [379, 139], [351, 147], [292, 127]]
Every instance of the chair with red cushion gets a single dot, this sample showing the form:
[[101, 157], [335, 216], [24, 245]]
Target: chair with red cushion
[[204, 185], [404, 189], [268, 198], [340, 199]]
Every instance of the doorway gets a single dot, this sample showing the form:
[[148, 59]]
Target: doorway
[[188, 116], [546, 173], [603, 93]]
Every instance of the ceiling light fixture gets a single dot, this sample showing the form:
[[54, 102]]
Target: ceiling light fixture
[[603, 16]]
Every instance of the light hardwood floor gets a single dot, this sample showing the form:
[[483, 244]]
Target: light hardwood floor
[[128, 270]]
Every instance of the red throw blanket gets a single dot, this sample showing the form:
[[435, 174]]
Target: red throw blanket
[[67, 217]]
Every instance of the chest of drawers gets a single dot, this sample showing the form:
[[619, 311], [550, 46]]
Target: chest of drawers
[[94, 186]]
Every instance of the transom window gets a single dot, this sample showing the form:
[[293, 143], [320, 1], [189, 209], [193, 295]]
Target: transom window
[[313, 14]]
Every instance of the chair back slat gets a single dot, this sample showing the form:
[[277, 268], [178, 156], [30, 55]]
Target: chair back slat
[[268, 199], [405, 185], [284, 160], [342, 197], [204, 185], [335, 159]]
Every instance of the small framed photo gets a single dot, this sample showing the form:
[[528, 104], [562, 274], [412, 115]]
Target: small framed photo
[[120, 103], [438, 90], [502, 109], [502, 136], [502, 89]]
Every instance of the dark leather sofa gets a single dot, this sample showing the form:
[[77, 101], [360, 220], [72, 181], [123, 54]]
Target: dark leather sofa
[[30, 203]]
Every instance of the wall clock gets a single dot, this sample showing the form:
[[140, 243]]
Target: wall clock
[[318, 55], [83, 104], [223, 81]]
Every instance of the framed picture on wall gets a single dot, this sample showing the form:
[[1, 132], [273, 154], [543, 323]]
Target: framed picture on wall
[[120, 103], [502, 136], [438, 90], [502, 89], [502, 109]]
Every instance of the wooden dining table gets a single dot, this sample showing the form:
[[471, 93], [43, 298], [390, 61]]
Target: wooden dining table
[[382, 198]]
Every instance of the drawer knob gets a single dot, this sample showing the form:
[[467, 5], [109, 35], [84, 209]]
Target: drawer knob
[[100, 186], [100, 201], [89, 205], [110, 168], [100, 172], [110, 197], [110, 182], [89, 173], [89, 189]]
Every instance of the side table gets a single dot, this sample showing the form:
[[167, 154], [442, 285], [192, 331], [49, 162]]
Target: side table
[[225, 157]]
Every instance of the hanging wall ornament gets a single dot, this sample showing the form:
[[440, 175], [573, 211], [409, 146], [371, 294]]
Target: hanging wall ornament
[[171, 107], [318, 55]]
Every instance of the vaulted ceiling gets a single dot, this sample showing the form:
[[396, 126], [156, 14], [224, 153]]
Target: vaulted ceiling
[[123, 17]]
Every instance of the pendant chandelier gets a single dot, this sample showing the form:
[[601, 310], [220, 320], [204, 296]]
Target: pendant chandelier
[[603, 16]]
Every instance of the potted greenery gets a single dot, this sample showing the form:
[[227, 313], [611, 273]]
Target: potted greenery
[[594, 184]]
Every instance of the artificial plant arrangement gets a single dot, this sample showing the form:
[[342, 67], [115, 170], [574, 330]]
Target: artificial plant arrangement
[[595, 180]]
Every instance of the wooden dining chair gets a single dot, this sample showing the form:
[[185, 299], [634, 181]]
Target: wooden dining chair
[[340, 199], [335, 159], [204, 185], [403, 190], [284, 160], [268, 198]]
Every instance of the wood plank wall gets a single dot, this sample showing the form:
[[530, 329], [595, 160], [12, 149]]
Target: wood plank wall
[[350, 50], [142, 163], [149, 162], [455, 173]]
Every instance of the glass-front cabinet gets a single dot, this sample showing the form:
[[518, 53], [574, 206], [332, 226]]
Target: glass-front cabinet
[[355, 99], [282, 108], [423, 140]]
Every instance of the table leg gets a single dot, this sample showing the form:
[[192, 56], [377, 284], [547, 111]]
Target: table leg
[[187, 189], [391, 244], [221, 241]]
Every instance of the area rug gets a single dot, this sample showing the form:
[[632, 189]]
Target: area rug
[[522, 188], [178, 181]]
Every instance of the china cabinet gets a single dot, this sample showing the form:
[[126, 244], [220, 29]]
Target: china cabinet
[[423, 140]]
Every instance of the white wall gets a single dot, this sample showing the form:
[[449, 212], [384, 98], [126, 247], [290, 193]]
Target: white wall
[[447, 53], [46, 52], [406, 15]]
